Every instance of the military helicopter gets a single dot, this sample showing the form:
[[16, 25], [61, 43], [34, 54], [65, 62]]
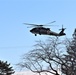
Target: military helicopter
[[39, 29]]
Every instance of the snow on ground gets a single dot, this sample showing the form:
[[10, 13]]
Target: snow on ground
[[28, 73]]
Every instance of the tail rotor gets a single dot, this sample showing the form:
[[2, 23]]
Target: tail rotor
[[62, 28]]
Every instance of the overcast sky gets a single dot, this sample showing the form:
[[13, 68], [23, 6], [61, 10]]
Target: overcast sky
[[15, 38]]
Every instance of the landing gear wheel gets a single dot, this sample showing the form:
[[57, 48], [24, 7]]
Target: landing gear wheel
[[35, 34], [40, 34]]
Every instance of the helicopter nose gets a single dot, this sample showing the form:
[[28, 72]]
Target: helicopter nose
[[30, 30]]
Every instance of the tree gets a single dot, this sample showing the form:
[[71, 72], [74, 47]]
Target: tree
[[70, 59], [5, 68], [46, 57]]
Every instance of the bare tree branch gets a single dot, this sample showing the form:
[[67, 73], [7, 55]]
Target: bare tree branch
[[43, 56]]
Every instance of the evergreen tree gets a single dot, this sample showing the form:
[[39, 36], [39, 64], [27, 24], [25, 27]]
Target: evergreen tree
[[5, 68], [69, 67]]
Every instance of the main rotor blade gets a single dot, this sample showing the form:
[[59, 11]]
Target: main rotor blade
[[50, 25], [30, 24], [30, 27], [41, 24], [51, 22]]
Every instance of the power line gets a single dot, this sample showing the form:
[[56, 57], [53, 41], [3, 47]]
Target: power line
[[15, 47]]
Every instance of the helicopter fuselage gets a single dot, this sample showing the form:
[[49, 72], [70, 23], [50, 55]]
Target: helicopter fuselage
[[39, 29], [45, 31]]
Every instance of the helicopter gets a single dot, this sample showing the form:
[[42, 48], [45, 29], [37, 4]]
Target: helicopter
[[41, 30]]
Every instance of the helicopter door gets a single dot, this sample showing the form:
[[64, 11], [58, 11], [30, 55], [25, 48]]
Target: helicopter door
[[48, 32]]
